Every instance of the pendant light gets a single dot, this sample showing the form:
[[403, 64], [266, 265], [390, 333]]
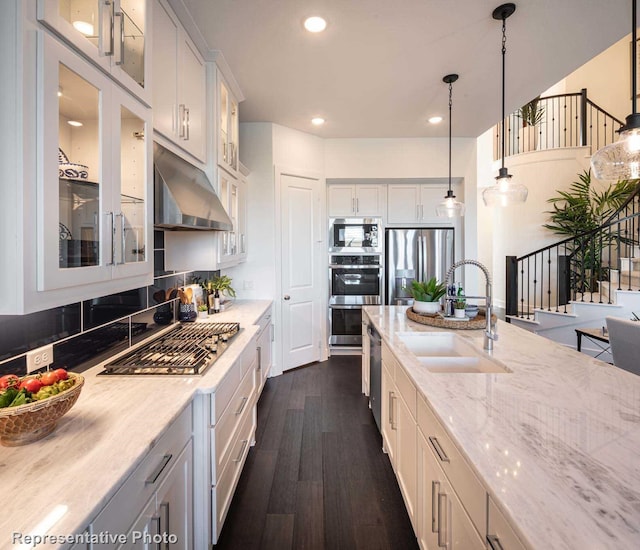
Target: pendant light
[[621, 160], [450, 207], [504, 192]]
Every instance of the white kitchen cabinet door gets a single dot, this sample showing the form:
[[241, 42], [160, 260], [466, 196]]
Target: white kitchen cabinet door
[[441, 520], [430, 197], [243, 190], [228, 188], [403, 203], [366, 358], [90, 232], [228, 118], [265, 345], [405, 456], [174, 501], [341, 201], [179, 91], [360, 200], [112, 33], [388, 407], [144, 529]]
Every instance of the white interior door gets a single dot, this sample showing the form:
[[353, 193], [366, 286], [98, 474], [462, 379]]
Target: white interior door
[[302, 284]]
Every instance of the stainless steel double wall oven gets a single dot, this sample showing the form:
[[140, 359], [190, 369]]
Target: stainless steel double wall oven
[[355, 275]]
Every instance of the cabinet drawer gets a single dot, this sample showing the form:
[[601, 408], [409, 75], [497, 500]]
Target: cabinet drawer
[[117, 516], [265, 320], [462, 478], [499, 528], [407, 389], [222, 492], [225, 390], [223, 433]]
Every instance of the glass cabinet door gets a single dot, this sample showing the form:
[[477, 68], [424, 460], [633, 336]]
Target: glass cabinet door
[[131, 200], [110, 32], [223, 106]]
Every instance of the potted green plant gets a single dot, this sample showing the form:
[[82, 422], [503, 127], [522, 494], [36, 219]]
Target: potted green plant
[[427, 295], [203, 311], [459, 307], [577, 213], [216, 289], [531, 114]]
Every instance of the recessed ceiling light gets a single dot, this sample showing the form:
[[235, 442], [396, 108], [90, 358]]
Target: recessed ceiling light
[[317, 121], [435, 119], [84, 27], [74, 123], [315, 24]]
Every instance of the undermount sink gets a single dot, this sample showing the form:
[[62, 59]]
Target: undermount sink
[[446, 352]]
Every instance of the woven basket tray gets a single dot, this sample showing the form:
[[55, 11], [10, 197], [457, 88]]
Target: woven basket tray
[[32, 421], [478, 322]]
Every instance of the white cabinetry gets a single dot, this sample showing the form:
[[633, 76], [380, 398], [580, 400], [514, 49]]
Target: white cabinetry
[[112, 33], [157, 499], [363, 200], [179, 90], [366, 358], [399, 428], [227, 119], [500, 535], [265, 345], [233, 195], [414, 203], [442, 521], [94, 193]]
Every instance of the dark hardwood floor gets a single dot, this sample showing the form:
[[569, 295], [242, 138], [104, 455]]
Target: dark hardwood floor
[[317, 477]]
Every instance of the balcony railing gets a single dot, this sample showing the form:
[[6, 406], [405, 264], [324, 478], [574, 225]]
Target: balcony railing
[[568, 120]]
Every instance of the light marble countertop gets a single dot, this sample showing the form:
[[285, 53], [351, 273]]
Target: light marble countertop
[[100, 441], [556, 442]]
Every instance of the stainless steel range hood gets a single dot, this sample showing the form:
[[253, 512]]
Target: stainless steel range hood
[[184, 198]]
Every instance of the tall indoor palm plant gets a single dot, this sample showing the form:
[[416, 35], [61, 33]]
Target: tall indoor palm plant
[[578, 213]]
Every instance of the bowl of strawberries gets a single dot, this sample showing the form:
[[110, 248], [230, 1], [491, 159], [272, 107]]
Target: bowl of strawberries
[[30, 406]]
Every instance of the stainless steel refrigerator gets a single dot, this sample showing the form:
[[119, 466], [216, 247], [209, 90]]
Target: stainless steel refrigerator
[[415, 254]]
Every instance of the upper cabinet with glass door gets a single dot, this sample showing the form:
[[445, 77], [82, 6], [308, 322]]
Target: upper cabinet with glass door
[[113, 33], [228, 126], [94, 185]]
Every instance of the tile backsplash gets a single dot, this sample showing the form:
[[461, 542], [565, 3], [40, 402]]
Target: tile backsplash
[[84, 333]]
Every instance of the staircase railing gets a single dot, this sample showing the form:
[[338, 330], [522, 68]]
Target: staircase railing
[[568, 120], [585, 268]]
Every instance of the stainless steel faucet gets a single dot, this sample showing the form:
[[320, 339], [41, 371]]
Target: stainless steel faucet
[[490, 334]]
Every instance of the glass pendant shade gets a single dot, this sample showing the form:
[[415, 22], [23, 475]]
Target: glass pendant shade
[[505, 192], [620, 160], [450, 207]]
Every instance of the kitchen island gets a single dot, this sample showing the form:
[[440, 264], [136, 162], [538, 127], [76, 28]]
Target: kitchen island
[[555, 442], [57, 485]]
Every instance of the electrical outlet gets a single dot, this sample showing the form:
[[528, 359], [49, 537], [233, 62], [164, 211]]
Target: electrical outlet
[[248, 285], [39, 358]]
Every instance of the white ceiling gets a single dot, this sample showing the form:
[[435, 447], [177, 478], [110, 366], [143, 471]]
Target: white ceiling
[[377, 70]]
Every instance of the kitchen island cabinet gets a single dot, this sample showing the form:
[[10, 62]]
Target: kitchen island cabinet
[[541, 456], [71, 479]]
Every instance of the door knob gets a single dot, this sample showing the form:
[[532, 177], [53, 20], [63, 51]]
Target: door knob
[[287, 297]]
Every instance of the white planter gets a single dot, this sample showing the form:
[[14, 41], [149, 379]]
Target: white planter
[[426, 307], [202, 315], [459, 313]]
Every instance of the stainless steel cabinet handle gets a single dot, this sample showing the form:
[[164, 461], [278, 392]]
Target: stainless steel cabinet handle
[[187, 123], [353, 205], [259, 350], [287, 297], [438, 449], [392, 420], [417, 211], [357, 205], [242, 405], [122, 237], [120, 42], [435, 491], [443, 521], [113, 238], [181, 119], [244, 446], [158, 471], [494, 542], [105, 32]]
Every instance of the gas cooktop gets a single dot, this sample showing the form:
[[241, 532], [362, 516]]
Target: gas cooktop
[[189, 348]]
